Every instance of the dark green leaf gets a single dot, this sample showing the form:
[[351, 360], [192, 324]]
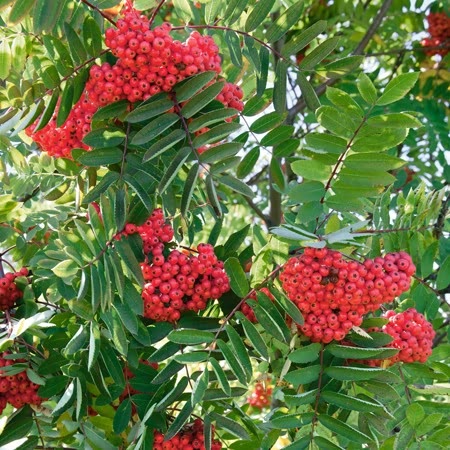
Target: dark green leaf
[[190, 337], [164, 144], [216, 134], [140, 191], [301, 399], [199, 388], [154, 128], [276, 174], [350, 403], [97, 437], [189, 358], [308, 92], [110, 111], [238, 280], [325, 444], [258, 14], [229, 425], [367, 89], [92, 36], [352, 373], [128, 257], [267, 122], [173, 395], [19, 10], [18, 426], [232, 361], [212, 195], [248, 163], [261, 80], [343, 429], [301, 40], [303, 376], [284, 22], [236, 185], [234, 10], [343, 66], [305, 354], [219, 152], [65, 106], [443, 277], [76, 47], [192, 85], [234, 46], [221, 376], [211, 117], [104, 137], [313, 58], [279, 88], [234, 242], [189, 187], [101, 157], [66, 401], [179, 421], [122, 416], [342, 351], [173, 169], [239, 350], [199, 101], [253, 336], [154, 107]]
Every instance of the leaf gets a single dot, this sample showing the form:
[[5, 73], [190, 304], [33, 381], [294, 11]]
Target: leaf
[[309, 94], [128, 257], [394, 120], [248, 163], [212, 10], [76, 47], [173, 169], [190, 337], [253, 336], [179, 421], [94, 344], [104, 137], [443, 276], [115, 109], [216, 134], [277, 136], [212, 195], [313, 58], [97, 437], [65, 269], [284, 22], [367, 89], [398, 88], [239, 350], [122, 416], [234, 10], [232, 361], [221, 376], [415, 414], [429, 423], [92, 36], [352, 373], [261, 79], [50, 77], [288, 306], [311, 170], [19, 11], [140, 191], [189, 187], [183, 10], [276, 174], [303, 376], [301, 40], [66, 103], [76, 342], [325, 444], [163, 144], [373, 161], [306, 354], [343, 429], [199, 101], [211, 117], [18, 426], [238, 280], [342, 66], [152, 108], [236, 185], [229, 425], [5, 59], [279, 87], [220, 152], [101, 157], [301, 399], [258, 14], [186, 90], [342, 351], [65, 402], [234, 46], [325, 143], [154, 128], [199, 388], [172, 395], [350, 403], [345, 103], [336, 121]]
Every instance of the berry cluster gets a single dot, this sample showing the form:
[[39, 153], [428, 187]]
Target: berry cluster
[[247, 310], [16, 389], [439, 29], [175, 281], [154, 232], [333, 294], [149, 61], [182, 282], [260, 397], [413, 335], [191, 437], [9, 292]]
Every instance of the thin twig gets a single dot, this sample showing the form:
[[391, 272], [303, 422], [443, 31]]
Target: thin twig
[[155, 12], [103, 14]]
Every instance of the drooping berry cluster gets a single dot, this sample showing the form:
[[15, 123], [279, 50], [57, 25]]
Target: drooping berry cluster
[[413, 336], [149, 61], [260, 397], [17, 389], [189, 438], [182, 282], [9, 292], [175, 281], [247, 310], [439, 29], [333, 293], [154, 232]]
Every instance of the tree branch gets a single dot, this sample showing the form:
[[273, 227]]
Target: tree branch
[[301, 105]]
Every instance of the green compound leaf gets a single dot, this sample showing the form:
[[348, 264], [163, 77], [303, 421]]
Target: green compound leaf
[[344, 430]]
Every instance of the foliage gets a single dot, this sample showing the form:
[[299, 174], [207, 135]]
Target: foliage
[[340, 142]]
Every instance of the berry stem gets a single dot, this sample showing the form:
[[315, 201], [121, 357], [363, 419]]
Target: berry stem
[[7, 250], [95, 8], [155, 12]]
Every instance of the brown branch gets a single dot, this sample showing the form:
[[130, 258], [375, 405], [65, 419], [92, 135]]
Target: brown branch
[[95, 8], [301, 105], [155, 12]]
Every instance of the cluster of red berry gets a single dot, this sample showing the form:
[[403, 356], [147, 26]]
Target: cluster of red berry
[[260, 397], [439, 29], [149, 61], [191, 437], [413, 336], [175, 281], [9, 292], [16, 389], [333, 293]]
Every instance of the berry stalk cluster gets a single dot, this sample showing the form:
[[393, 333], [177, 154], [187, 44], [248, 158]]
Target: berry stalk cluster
[[191, 437], [149, 61], [176, 281], [9, 292], [439, 29], [17, 389]]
